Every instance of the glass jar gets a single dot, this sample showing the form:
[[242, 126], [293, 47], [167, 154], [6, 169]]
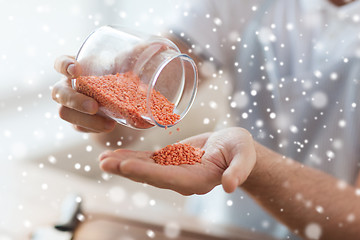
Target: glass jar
[[139, 80]]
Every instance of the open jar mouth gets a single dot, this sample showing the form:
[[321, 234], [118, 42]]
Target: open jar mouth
[[176, 79]]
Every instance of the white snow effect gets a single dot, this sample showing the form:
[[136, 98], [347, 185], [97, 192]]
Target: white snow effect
[[350, 218], [234, 36], [172, 230], [342, 123], [334, 76], [313, 231], [319, 209], [289, 26], [341, 184], [87, 168], [272, 115], [152, 202], [106, 176], [318, 74], [52, 159], [77, 166], [259, 123], [150, 233], [44, 186], [357, 192], [337, 144], [217, 21], [117, 194], [89, 148], [80, 217], [240, 100], [206, 121], [207, 68], [330, 154], [293, 129], [319, 100], [140, 199], [266, 35], [213, 104]]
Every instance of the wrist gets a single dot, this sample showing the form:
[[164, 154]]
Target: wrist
[[239, 155], [263, 168]]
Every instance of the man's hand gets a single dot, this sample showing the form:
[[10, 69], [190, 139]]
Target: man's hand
[[228, 160], [76, 108]]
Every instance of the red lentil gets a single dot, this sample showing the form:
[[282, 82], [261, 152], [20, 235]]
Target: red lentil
[[123, 96], [177, 154]]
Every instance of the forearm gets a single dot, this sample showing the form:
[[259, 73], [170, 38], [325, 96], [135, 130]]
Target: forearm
[[299, 196]]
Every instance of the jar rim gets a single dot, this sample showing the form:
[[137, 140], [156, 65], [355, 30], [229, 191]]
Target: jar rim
[[183, 57]]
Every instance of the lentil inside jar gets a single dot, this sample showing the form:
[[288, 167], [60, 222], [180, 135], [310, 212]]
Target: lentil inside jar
[[124, 96]]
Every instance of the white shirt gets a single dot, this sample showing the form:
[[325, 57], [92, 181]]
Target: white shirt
[[295, 68]]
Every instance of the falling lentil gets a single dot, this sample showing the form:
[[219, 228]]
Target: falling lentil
[[179, 153]]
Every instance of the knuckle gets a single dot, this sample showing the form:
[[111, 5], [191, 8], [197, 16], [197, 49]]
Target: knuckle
[[63, 66], [56, 96], [62, 63], [55, 92], [73, 101]]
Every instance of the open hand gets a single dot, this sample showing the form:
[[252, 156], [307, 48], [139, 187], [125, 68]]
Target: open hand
[[228, 160]]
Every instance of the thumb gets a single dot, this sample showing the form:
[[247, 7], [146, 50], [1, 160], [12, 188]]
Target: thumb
[[68, 66], [238, 171]]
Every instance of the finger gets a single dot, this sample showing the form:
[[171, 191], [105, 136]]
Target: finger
[[168, 177], [123, 154], [181, 179], [238, 171], [126, 153], [83, 129], [150, 173], [95, 123], [68, 66], [68, 97]]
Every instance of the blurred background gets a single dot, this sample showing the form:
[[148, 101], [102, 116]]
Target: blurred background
[[42, 158]]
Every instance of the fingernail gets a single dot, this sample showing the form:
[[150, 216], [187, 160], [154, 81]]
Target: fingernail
[[109, 124], [71, 69], [89, 106]]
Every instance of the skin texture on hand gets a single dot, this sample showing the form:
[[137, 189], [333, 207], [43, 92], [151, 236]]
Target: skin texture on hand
[[228, 160]]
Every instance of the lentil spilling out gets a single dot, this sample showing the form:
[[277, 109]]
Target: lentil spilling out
[[178, 153], [124, 96]]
